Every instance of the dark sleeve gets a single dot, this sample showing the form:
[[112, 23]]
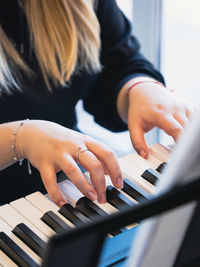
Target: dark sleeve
[[121, 61]]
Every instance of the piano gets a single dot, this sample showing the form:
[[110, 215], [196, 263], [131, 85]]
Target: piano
[[35, 232], [27, 223]]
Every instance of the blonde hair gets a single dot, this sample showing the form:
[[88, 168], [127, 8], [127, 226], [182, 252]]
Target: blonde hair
[[65, 35]]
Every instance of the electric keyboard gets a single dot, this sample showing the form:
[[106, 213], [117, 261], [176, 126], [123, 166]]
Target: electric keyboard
[[26, 224]]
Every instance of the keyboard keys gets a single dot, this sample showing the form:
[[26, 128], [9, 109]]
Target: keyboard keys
[[29, 238], [89, 208], [161, 167], [55, 222], [32, 214], [6, 261], [151, 176], [135, 191], [5, 228], [13, 218], [142, 163], [73, 214], [42, 203], [70, 191], [92, 211], [160, 151], [14, 252], [42, 218], [117, 199], [73, 195], [132, 173]]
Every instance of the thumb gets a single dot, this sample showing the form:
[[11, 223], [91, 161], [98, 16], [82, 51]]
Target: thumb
[[138, 140]]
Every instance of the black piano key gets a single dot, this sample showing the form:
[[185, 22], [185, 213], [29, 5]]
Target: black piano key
[[73, 215], [54, 222], [151, 176], [89, 208], [92, 211], [161, 167], [135, 191], [15, 253], [32, 240], [117, 199]]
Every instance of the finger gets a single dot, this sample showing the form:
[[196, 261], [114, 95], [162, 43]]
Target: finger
[[137, 135], [190, 112], [170, 125], [91, 163], [73, 172], [182, 119], [49, 179], [104, 167], [107, 156]]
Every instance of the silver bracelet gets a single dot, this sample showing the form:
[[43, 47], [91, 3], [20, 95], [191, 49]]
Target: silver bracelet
[[13, 147]]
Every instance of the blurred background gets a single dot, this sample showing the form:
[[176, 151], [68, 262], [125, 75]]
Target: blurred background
[[169, 33]]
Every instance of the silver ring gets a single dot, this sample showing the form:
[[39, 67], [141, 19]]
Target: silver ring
[[81, 150]]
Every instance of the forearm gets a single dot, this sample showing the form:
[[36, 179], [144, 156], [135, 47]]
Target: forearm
[[7, 140], [122, 99]]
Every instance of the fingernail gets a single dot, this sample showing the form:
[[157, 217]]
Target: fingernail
[[102, 198], [142, 153], [61, 203], [92, 195], [120, 182]]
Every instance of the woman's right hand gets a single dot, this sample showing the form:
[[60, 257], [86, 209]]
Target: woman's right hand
[[51, 147]]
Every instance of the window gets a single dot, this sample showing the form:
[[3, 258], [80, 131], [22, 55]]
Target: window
[[180, 47], [180, 55]]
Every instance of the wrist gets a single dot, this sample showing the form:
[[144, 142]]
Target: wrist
[[136, 83], [123, 96], [19, 140]]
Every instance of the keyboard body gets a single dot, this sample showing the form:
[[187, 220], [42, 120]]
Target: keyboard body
[[27, 224]]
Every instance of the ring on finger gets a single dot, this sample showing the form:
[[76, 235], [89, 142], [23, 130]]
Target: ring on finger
[[81, 150]]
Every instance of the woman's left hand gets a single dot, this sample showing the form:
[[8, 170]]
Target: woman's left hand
[[151, 105]]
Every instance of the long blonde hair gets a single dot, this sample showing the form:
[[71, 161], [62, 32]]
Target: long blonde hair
[[65, 35]]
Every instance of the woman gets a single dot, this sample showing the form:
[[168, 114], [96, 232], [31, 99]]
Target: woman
[[54, 53]]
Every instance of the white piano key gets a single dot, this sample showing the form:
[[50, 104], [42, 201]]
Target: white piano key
[[5, 261], [108, 208], [70, 192], [13, 218], [160, 151], [41, 202], [141, 163], [26, 209], [131, 172], [4, 227]]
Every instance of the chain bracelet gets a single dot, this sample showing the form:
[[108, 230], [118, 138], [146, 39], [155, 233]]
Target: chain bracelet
[[13, 147]]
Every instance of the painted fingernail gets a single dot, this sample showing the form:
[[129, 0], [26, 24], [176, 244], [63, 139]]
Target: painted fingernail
[[142, 153], [102, 198], [120, 182], [92, 195], [61, 203]]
